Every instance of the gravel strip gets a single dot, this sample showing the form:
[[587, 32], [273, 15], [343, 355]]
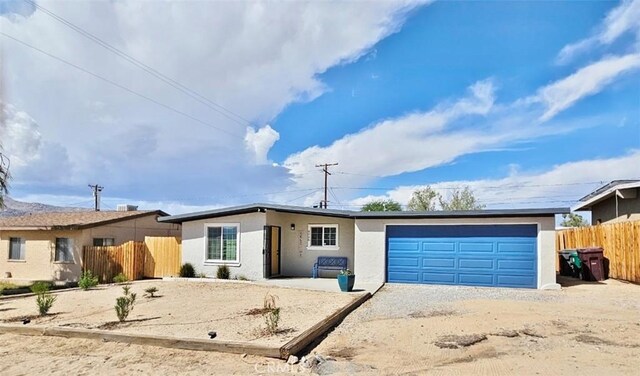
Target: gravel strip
[[399, 300]]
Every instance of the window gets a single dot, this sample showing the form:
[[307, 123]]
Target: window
[[64, 250], [16, 249], [323, 237], [222, 243], [103, 242]]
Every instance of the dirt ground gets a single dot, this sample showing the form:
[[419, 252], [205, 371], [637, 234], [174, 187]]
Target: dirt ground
[[585, 329], [185, 309]]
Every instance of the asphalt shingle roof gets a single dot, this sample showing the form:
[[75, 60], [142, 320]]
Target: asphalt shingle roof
[[71, 220]]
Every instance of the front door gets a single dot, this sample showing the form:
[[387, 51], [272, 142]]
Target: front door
[[271, 251]]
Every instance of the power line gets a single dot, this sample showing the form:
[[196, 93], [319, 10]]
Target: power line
[[503, 186], [168, 80], [113, 83], [303, 196], [325, 169]]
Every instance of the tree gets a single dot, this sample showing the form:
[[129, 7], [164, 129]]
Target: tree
[[461, 199], [573, 220], [4, 178], [382, 205], [423, 200]]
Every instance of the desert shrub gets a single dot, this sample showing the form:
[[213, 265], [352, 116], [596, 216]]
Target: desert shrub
[[40, 287], [223, 272], [150, 292], [187, 271], [242, 278], [87, 280], [45, 301], [120, 278], [125, 303], [271, 313]]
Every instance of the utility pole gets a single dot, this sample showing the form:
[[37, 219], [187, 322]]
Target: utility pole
[[96, 195], [325, 169]]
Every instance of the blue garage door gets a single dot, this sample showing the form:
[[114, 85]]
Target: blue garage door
[[483, 255]]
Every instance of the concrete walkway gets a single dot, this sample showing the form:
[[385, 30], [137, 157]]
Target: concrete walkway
[[319, 284]]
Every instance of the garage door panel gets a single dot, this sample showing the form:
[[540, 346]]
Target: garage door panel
[[476, 279], [439, 277], [448, 263], [404, 262], [404, 277], [475, 263], [528, 265], [483, 255], [430, 246], [477, 247], [406, 245]]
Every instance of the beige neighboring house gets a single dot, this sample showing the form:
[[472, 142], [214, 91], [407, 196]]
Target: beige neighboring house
[[48, 246], [617, 201]]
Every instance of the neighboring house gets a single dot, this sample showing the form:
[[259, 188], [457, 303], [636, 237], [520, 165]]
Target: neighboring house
[[48, 246], [615, 202], [510, 248]]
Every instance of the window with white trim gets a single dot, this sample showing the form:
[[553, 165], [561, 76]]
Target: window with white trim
[[323, 237], [64, 250], [103, 242], [16, 249], [222, 243]]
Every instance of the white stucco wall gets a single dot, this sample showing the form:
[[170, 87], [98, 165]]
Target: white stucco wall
[[251, 228], [296, 259], [370, 247]]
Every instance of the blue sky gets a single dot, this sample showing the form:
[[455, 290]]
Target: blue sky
[[529, 103]]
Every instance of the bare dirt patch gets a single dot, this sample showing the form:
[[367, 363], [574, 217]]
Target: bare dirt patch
[[453, 341], [189, 310], [346, 353]]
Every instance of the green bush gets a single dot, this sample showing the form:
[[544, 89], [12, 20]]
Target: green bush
[[187, 271], [150, 292], [124, 304], [120, 278], [223, 272], [45, 300], [40, 287], [242, 278], [87, 280]]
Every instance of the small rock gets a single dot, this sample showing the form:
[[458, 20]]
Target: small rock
[[507, 333], [212, 334], [309, 362], [243, 356], [292, 359]]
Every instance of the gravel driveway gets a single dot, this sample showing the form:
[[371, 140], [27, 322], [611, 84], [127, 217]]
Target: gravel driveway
[[405, 300]]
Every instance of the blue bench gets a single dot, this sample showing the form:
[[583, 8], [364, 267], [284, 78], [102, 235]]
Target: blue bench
[[329, 263]]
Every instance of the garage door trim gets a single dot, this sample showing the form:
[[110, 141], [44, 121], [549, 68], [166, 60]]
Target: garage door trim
[[499, 223]]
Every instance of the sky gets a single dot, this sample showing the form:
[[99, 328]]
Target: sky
[[190, 105]]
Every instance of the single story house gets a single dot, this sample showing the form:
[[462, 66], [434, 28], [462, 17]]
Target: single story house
[[509, 248], [615, 202], [48, 246]]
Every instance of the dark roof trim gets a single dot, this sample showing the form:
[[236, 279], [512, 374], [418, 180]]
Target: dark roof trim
[[606, 187], [253, 208]]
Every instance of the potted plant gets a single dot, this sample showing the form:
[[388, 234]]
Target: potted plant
[[346, 279]]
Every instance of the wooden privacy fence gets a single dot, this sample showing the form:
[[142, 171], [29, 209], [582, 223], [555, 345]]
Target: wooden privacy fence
[[155, 257], [620, 241]]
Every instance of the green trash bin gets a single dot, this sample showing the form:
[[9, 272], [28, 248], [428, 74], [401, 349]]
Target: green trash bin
[[567, 265]]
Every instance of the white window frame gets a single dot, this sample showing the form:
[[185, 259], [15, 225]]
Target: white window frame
[[69, 249], [208, 261], [22, 250], [323, 247], [113, 239]]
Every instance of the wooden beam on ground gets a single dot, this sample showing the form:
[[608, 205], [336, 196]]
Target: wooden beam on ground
[[142, 339], [308, 336]]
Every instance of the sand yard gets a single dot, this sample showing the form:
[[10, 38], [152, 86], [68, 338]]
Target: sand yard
[[185, 310]]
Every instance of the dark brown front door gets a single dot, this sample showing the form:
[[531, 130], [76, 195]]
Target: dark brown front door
[[271, 251]]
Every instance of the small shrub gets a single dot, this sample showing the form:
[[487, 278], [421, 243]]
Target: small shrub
[[187, 271], [242, 278], [150, 292], [120, 278], [40, 287], [202, 275], [271, 313], [45, 301], [124, 304], [87, 280], [223, 272]]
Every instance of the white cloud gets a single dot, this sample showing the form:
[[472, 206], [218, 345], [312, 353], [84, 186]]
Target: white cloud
[[589, 80], [19, 134], [560, 186], [260, 141], [622, 19], [253, 58]]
